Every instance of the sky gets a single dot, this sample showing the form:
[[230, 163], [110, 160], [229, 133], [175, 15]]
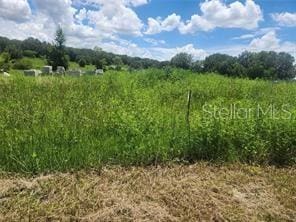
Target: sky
[[157, 29]]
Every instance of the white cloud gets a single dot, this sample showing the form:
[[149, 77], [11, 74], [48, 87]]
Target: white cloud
[[214, 14], [112, 18], [257, 33], [61, 12], [196, 23], [15, 10], [115, 16], [169, 24], [168, 53], [270, 42], [267, 42], [137, 3], [285, 19], [154, 42], [154, 27], [160, 53], [246, 36], [234, 15]]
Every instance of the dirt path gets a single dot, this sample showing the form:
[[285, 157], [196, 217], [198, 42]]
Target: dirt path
[[200, 192]]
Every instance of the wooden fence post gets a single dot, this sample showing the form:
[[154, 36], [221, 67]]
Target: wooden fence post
[[188, 116]]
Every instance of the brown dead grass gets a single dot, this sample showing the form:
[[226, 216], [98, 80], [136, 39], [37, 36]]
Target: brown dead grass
[[200, 192]]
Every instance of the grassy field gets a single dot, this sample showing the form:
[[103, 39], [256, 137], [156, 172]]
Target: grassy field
[[139, 118]]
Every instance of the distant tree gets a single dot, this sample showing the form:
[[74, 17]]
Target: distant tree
[[14, 52], [57, 54], [220, 63], [6, 57], [35, 45], [268, 65], [197, 66], [82, 62], [23, 64], [117, 61], [5, 66], [182, 60], [285, 66], [101, 63], [30, 53]]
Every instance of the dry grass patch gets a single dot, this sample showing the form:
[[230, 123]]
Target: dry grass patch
[[200, 192]]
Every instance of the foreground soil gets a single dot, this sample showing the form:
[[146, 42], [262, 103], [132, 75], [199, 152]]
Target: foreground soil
[[200, 192]]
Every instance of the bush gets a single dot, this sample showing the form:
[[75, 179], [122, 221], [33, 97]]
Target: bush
[[23, 64], [82, 63], [182, 60], [5, 66], [30, 53]]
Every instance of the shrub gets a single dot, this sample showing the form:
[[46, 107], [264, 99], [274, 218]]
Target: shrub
[[182, 60], [23, 64], [5, 66], [30, 53], [82, 63]]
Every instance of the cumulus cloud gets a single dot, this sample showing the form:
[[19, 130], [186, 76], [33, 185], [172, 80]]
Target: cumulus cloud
[[114, 16], [61, 12], [168, 53], [15, 10], [285, 19], [257, 33], [268, 42], [154, 42], [214, 14], [156, 25], [107, 19], [124, 47], [137, 3]]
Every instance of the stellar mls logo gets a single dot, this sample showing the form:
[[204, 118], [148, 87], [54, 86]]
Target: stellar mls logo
[[235, 111]]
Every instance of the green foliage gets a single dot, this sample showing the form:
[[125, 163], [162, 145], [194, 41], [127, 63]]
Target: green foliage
[[14, 52], [101, 63], [30, 53], [6, 57], [23, 64], [5, 66], [182, 60], [82, 63], [139, 118], [197, 66], [117, 61], [57, 53]]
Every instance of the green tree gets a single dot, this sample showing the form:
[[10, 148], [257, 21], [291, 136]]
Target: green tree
[[6, 57], [57, 53], [117, 61], [197, 66], [82, 62], [100, 63], [14, 52], [182, 60]]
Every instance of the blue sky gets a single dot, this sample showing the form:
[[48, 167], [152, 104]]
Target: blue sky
[[157, 28]]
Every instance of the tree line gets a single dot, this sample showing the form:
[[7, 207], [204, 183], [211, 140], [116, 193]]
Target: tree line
[[266, 65], [57, 54]]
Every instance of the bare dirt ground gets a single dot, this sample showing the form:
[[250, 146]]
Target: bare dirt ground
[[200, 192]]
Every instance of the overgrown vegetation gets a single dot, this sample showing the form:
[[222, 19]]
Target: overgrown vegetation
[[139, 118]]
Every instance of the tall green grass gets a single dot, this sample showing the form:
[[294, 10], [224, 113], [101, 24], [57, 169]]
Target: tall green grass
[[139, 118]]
